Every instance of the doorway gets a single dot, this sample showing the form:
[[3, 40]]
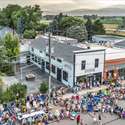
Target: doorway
[[59, 74]]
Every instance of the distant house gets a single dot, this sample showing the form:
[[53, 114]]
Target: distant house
[[120, 44], [107, 39], [5, 30]]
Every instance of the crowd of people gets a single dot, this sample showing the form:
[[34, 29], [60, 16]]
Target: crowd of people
[[35, 108]]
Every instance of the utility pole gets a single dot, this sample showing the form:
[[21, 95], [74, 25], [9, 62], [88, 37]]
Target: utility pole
[[49, 66]]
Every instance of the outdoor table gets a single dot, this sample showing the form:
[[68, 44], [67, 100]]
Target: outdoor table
[[30, 77]]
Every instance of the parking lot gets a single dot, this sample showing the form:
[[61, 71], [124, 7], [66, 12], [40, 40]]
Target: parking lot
[[33, 85]]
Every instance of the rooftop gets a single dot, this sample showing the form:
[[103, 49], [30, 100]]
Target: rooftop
[[111, 53], [110, 37], [120, 44], [61, 50]]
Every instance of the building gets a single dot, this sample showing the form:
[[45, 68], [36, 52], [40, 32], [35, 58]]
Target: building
[[120, 44], [5, 30], [69, 63], [114, 62], [107, 40]]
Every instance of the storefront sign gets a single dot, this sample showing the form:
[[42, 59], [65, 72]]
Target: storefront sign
[[89, 70]]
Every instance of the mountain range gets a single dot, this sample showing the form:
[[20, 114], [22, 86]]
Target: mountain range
[[110, 11]]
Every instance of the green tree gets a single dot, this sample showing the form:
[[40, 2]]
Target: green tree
[[68, 22], [29, 34], [19, 90], [3, 57], [14, 92], [6, 15], [98, 27], [11, 44], [77, 32], [89, 28], [44, 87], [42, 27]]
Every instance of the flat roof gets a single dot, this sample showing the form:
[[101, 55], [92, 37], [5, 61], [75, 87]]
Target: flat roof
[[111, 53], [60, 50], [120, 44], [111, 37]]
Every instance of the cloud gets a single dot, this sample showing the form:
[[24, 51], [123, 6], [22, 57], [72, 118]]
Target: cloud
[[58, 5]]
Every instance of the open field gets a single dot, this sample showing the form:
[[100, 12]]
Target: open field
[[113, 29]]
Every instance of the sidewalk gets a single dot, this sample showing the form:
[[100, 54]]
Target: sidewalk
[[84, 91]]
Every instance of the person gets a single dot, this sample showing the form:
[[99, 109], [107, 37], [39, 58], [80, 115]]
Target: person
[[78, 119], [99, 118]]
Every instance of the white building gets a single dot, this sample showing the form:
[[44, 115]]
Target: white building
[[108, 40], [69, 63]]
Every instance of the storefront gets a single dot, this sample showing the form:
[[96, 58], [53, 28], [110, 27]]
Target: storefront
[[90, 80], [114, 70]]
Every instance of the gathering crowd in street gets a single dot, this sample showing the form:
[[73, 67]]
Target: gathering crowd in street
[[36, 108]]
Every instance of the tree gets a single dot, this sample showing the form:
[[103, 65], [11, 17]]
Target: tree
[[14, 92], [19, 90], [20, 26], [42, 27], [11, 44], [44, 87], [29, 34], [3, 57], [68, 22], [55, 26], [7, 15], [77, 32], [123, 23], [89, 28], [98, 27], [21, 18]]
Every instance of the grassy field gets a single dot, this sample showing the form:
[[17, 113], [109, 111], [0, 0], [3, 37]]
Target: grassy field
[[113, 29]]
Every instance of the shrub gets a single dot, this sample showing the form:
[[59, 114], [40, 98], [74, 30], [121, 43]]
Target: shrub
[[29, 34], [44, 87]]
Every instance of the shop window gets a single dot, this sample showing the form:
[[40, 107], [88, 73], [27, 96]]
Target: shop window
[[83, 65], [47, 65], [59, 60], [47, 54], [53, 69], [35, 59], [32, 56], [65, 76], [53, 57], [39, 61], [96, 63]]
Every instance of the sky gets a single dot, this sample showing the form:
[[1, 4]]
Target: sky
[[65, 5]]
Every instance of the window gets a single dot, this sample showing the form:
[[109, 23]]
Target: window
[[32, 56], [47, 65], [47, 54], [59, 60], [53, 69], [53, 57], [40, 51], [96, 63], [83, 65], [35, 59], [39, 61], [32, 49], [65, 76]]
